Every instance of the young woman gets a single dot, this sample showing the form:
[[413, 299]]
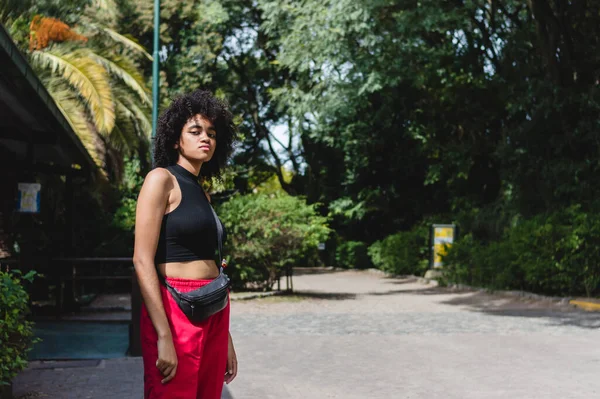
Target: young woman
[[176, 237]]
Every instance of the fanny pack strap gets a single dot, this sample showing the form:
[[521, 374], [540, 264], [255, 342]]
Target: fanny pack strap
[[219, 235]]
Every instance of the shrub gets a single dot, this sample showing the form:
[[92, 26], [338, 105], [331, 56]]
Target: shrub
[[493, 265], [16, 333], [353, 255], [555, 254], [402, 253], [266, 233], [129, 189]]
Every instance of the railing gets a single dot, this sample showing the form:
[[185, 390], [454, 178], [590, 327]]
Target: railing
[[72, 270], [67, 273]]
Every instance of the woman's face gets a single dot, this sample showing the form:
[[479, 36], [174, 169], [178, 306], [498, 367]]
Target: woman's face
[[198, 139]]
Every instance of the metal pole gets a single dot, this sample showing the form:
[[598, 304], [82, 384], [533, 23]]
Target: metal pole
[[155, 77]]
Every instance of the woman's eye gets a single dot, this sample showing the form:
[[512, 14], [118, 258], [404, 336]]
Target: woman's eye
[[212, 135]]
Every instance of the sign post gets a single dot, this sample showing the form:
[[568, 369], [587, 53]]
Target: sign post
[[155, 69]]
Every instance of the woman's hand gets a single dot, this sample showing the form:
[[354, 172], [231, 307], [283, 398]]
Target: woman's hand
[[232, 364], [167, 358]]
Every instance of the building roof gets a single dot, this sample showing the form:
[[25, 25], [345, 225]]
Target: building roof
[[31, 125]]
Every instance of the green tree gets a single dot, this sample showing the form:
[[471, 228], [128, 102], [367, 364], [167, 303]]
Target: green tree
[[267, 233], [219, 45], [97, 82], [424, 107]]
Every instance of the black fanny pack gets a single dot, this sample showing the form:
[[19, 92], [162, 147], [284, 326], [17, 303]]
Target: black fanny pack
[[207, 300]]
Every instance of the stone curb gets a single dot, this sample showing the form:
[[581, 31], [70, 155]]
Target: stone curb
[[585, 305], [244, 296]]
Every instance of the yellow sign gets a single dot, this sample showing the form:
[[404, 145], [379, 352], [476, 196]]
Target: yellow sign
[[444, 232], [438, 251], [443, 237]]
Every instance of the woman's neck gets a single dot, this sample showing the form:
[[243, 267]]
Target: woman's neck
[[192, 167]]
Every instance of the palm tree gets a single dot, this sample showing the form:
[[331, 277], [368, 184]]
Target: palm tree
[[98, 86]]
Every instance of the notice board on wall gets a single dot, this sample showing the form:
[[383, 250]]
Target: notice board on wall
[[29, 197]]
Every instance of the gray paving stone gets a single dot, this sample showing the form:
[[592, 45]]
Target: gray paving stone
[[360, 335]]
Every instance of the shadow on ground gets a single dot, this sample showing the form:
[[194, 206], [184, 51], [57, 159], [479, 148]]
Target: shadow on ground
[[505, 305], [424, 291], [302, 271], [335, 296], [399, 281], [501, 305], [496, 304]]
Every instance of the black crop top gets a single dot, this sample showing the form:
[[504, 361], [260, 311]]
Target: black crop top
[[189, 232]]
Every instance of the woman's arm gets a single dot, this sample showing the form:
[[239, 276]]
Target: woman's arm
[[151, 205]]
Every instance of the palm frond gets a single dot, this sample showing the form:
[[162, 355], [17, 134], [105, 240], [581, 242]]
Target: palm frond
[[10, 9], [126, 72], [124, 135], [74, 113], [108, 8], [119, 137], [142, 118], [87, 76], [105, 5], [124, 40]]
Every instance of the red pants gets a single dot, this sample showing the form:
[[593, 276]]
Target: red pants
[[201, 350]]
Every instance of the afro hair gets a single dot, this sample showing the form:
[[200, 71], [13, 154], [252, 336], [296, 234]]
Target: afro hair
[[172, 120]]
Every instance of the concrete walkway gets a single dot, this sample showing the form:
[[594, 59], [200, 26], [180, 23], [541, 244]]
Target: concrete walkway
[[360, 335]]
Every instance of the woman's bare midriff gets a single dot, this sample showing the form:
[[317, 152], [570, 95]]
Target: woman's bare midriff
[[192, 270]]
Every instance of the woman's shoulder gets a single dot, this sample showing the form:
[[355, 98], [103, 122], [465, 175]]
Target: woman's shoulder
[[159, 177], [159, 173]]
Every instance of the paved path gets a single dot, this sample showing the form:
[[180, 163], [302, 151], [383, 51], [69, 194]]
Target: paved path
[[358, 335]]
